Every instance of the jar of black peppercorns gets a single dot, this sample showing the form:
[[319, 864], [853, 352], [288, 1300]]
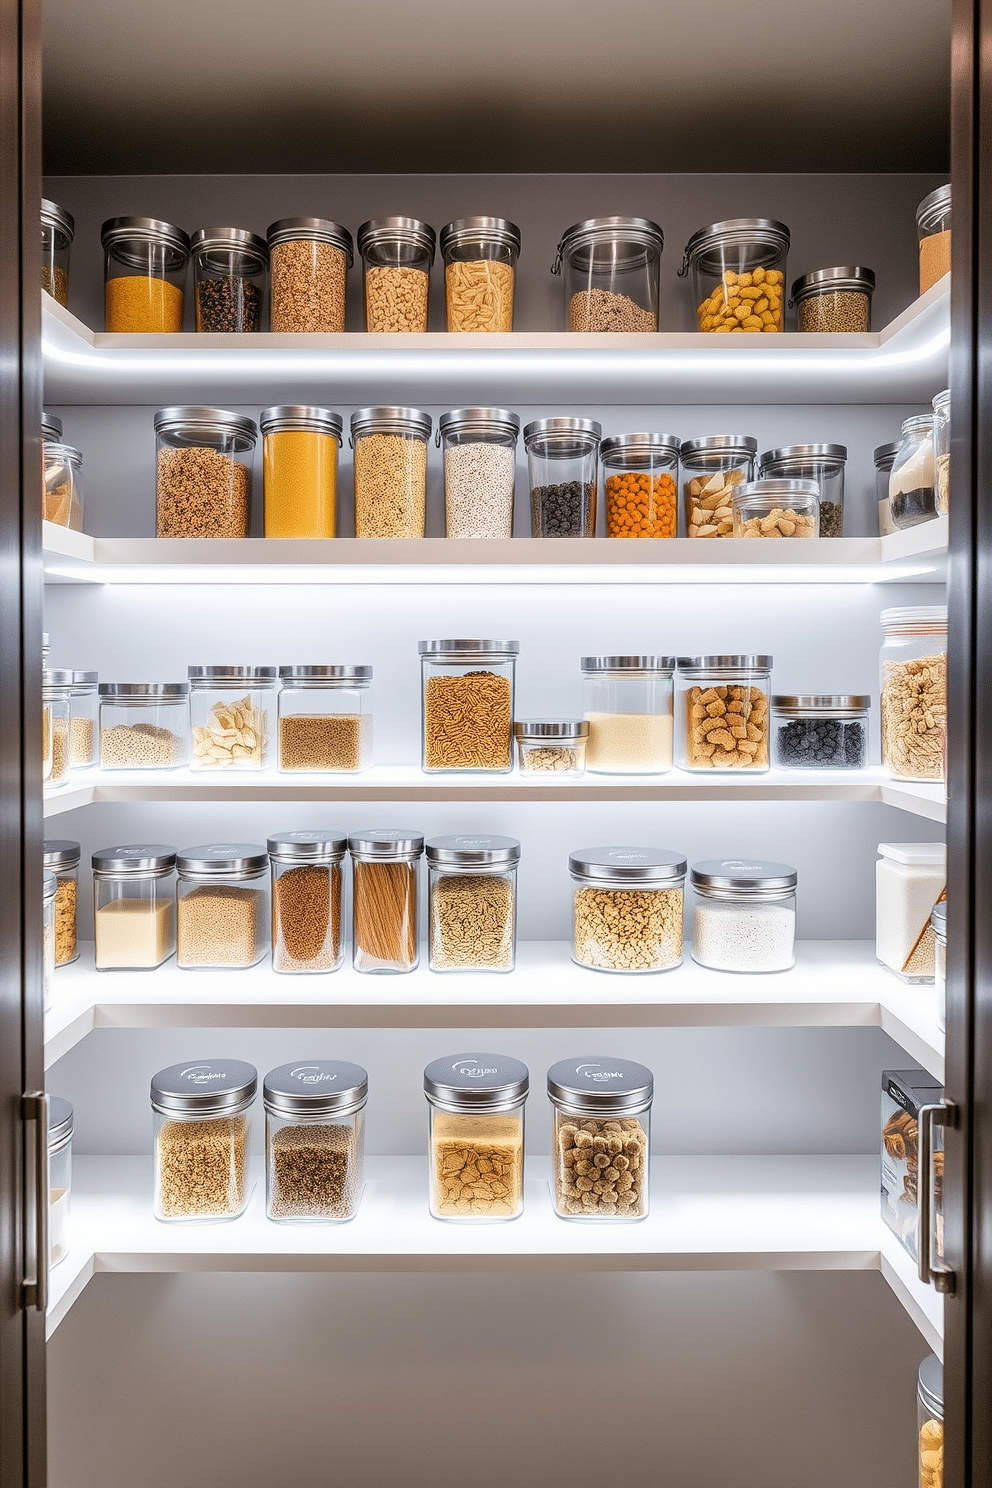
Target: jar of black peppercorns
[[820, 732], [230, 267], [563, 460]]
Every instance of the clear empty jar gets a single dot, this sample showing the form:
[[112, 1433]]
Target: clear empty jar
[[145, 264], [830, 300], [933, 226], [307, 897], [472, 903], [744, 915], [723, 712], [913, 667], [640, 479], [938, 924], [57, 233], [600, 1138], [300, 467], [712, 470], [59, 1177], [390, 447], [627, 702], [55, 704], [775, 507], [930, 1422], [231, 716], [61, 857], [467, 711], [822, 463], [480, 260], [222, 906], [134, 906], [397, 254], [203, 472], [942, 451], [314, 1141], [815, 731], [551, 746], [610, 269], [201, 1116], [562, 463], [738, 275], [476, 1104], [310, 258], [479, 467], [913, 483], [84, 705], [229, 271], [49, 889], [144, 725], [884, 458], [385, 898], [627, 908], [63, 486], [325, 718]]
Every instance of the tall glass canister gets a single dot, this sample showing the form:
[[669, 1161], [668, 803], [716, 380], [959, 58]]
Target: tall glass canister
[[712, 469], [60, 1123], [600, 1138], [933, 225], [397, 254], [562, 463], [307, 901], [627, 702], [467, 712], [145, 264], [385, 899], [300, 470], [314, 1141], [942, 450], [230, 268], [390, 447], [913, 481], [913, 667], [84, 708], [49, 888], [472, 902], [641, 485], [134, 906], [61, 857], [479, 468], [480, 265], [55, 699], [310, 258], [884, 458], [203, 472], [201, 1117], [476, 1103], [57, 232]]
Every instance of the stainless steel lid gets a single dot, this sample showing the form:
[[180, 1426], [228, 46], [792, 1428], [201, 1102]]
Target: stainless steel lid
[[632, 239], [118, 231], [822, 281], [938, 919], [313, 229], [232, 673], [217, 858], [933, 207], [930, 1385], [283, 417], [632, 446], [315, 846], [85, 679], [468, 650], [191, 420], [227, 241], [691, 665], [736, 878], [773, 487], [468, 229], [409, 230], [762, 232], [563, 436], [884, 455], [912, 617], [163, 690], [661, 666], [321, 1087], [627, 864], [389, 419], [551, 728], [479, 850], [60, 852], [832, 704], [59, 1121], [801, 454], [600, 1084], [386, 842], [57, 677], [51, 428], [49, 887], [498, 420], [137, 859], [719, 444], [476, 1081], [209, 1087], [58, 219], [355, 676]]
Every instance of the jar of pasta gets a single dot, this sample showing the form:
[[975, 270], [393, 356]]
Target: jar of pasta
[[933, 227], [627, 908], [610, 269], [723, 712], [307, 892], [300, 470], [480, 258], [472, 898], [712, 470], [397, 254], [49, 889], [738, 275], [57, 233], [310, 258], [468, 704], [600, 1138], [385, 897], [476, 1104], [145, 264], [61, 857], [230, 266], [913, 677], [201, 1115], [640, 477], [390, 447]]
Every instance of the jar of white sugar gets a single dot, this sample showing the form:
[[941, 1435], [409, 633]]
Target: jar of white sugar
[[627, 702], [134, 906], [479, 461], [743, 915], [910, 878]]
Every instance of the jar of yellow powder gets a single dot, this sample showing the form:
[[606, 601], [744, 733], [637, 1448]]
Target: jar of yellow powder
[[144, 274], [300, 464]]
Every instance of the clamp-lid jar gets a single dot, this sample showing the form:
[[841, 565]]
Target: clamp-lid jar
[[738, 274], [610, 269]]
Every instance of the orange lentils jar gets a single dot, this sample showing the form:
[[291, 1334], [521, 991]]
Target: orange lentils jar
[[640, 473]]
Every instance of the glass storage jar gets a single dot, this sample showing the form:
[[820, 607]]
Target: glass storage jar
[[203, 472], [49, 888], [562, 461], [601, 1108], [222, 906], [913, 666], [307, 884], [738, 274], [884, 458], [910, 878], [231, 712], [912, 483], [144, 725], [476, 1104], [627, 703], [385, 897], [610, 269], [84, 706], [775, 507], [229, 270], [938, 924], [397, 255], [723, 712], [551, 745], [712, 470], [57, 233], [51, 428], [834, 300], [201, 1115], [61, 857], [820, 731], [314, 1141], [134, 906], [59, 1177], [63, 486], [641, 482], [744, 915], [310, 258], [472, 903], [467, 704], [325, 718], [480, 261], [942, 451], [479, 466], [390, 447], [627, 908], [300, 470], [55, 706], [145, 265], [822, 463], [933, 226], [930, 1422]]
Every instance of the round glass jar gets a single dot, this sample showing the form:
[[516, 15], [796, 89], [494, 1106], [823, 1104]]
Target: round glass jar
[[476, 1103], [59, 1177], [562, 464], [63, 486], [712, 470], [547, 746], [307, 898], [397, 255], [472, 903], [61, 857], [479, 467], [57, 232], [222, 906], [55, 706], [884, 458], [144, 725], [314, 1141], [912, 483], [744, 915], [627, 908], [203, 472], [627, 703], [910, 878], [49, 889], [84, 706], [600, 1109], [325, 718], [820, 731], [610, 268], [390, 447], [300, 470], [775, 507], [822, 463], [723, 712], [145, 263], [385, 898], [480, 261], [230, 266], [310, 258], [201, 1116], [933, 227], [938, 924], [231, 714], [930, 1422], [134, 906], [467, 704], [942, 451], [832, 300], [641, 484], [913, 677], [738, 274], [51, 428]]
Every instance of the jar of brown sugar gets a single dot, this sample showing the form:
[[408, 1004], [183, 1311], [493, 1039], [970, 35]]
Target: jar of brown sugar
[[933, 225], [310, 258], [476, 1106]]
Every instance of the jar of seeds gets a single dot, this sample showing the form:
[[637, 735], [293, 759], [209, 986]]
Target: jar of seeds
[[627, 908], [472, 915], [55, 705], [325, 718], [468, 704], [307, 882], [222, 906], [310, 259], [476, 1106], [600, 1138], [144, 725], [390, 447], [385, 899], [229, 271], [712, 469], [203, 472], [830, 300], [84, 707], [314, 1141], [397, 254], [201, 1117], [551, 746], [610, 269], [562, 462], [231, 716], [61, 857], [134, 906], [145, 264], [57, 233], [479, 464]]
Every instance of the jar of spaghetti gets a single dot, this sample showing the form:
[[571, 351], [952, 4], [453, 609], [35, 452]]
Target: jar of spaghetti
[[385, 899], [145, 265], [640, 474], [300, 469]]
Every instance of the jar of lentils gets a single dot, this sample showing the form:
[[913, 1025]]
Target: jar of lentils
[[738, 275], [57, 233], [712, 470], [203, 472], [627, 908], [231, 715], [472, 898], [307, 884], [314, 1141], [300, 469], [640, 476], [820, 731], [600, 1138], [390, 447], [479, 466], [201, 1116], [610, 269], [230, 266], [823, 463], [145, 264], [325, 719], [222, 906], [834, 300], [562, 461], [480, 262], [744, 915], [397, 254], [310, 258], [467, 709]]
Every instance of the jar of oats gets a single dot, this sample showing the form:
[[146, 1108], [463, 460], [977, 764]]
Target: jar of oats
[[600, 1138], [61, 857], [476, 1106], [627, 908], [397, 255], [610, 269], [222, 906], [309, 259], [201, 1115], [390, 447], [913, 667], [325, 719], [203, 471], [480, 259]]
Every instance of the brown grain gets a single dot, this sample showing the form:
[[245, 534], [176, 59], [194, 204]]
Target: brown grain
[[314, 1171], [467, 722], [332, 741], [200, 1168], [201, 493], [306, 918], [308, 286]]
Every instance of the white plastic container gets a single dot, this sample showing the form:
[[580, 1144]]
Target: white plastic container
[[910, 878]]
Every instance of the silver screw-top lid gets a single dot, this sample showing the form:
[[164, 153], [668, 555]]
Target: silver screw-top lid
[[320, 1087], [634, 449], [60, 852], [304, 418], [465, 230], [313, 847], [228, 241], [776, 488], [828, 281], [551, 728], [693, 666], [738, 878], [59, 1122], [207, 1087], [599, 1084], [135, 859], [391, 419], [215, 858], [480, 850], [311, 229], [938, 919], [359, 675], [884, 455], [468, 649], [51, 428], [933, 207], [563, 438], [767, 238], [931, 1380], [63, 454], [57, 677], [911, 617], [491, 420], [171, 690], [659, 666], [116, 232], [85, 679], [194, 423], [627, 864], [49, 887], [476, 1082], [782, 461], [407, 230], [237, 674], [386, 842], [631, 241], [58, 220], [827, 704], [716, 445]]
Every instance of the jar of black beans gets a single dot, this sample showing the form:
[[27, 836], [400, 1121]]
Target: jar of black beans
[[820, 732], [230, 267], [562, 460]]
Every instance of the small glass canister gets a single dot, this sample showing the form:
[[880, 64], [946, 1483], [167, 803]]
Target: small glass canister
[[467, 711], [744, 915], [397, 255], [933, 226], [822, 463], [55, 708], [627, 703], [144, 725], [600, 1138], [884, 458], [84, 704], [59, 1176], [325, 718], [913, 667], [57, 233], [472, 903], [307, 897], [390, 447], [912, 483], [201, 1115], [831, 300], [480, 261], [134, 906], [385, 899], [61, 857], [562, 462], [476, 1104], [222, 906], [938, 924], [775, 507], [551, 746], [627, 908], [479, 468], [300, 470], [145, 264], [930, 1422], [910, 878], [310, 259], [49, 888], [820, 731], [942, 450], [641, 485], [738, 275], [203, 472], [712, 470], [229, 271], [63, 486], [723, 712], [314, 1141], [610, 269], [231, 716]]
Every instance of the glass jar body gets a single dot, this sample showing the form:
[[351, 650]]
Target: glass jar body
[[144, 286], [300, 477], [63, 486], [134, 921], [905, 894], [314, 1167], [479, 472], [934, 231], [56, 243], [538, 754], [834, 310], [611, 282], [231, 724], [390, 484], [739, 284], [563, 479], [828, 473], [230, 288], [883, 469], [47, 949], [309, 281], [816, 739], [479, 281], [940, 978], [630, 929], [930, 1431], [942, 452], [762, 511], [477, 1164], [467, 714], [396, 278], [640, 492], [912, 483], [201, 1166], [630, 717], [913, 677], [385, 898], [324, 728], [144, 733], [307, 923], [203, 482], [59, 1200], [723, 719], [84, 706], [66, 898], [583, 1186], [55, 707], [743, 934], [709, 479], [222, 921], [472, 918]]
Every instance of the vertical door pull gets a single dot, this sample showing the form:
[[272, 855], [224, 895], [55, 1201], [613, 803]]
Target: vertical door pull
[[34, 1288], [941, 1114]]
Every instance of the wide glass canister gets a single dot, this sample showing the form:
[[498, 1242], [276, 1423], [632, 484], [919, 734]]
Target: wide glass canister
[[57, 232], [744, 915], [913, 481], [144, 725], [55, 708], [820, 731], [49, 888], [938, 924], [476, 1104], [472, 902], [600, 1138], [314, 1141], [397, 255], [63, 485], [222, 906], [231, 716], [930, 1422], [325, 718], [60, 1124], [145, 264], [641, 485], [390, 447], [712, 470], [627, 908], [310, 258], [822, 463], [831, 300], [627, 703], [201, 1115], [203, 472], [467, 704], [307, 898], [134, 906], [610, 268], [562, 463], [724, 712], [300, 470], [738, 275], [84, 706], [910, 878], [775, 507], [933, 227], [884, 458], [61, 857], [479, 466], [480, 262], [942, 451], [385, 898], [913, 667], [230, 266], [551, 746]]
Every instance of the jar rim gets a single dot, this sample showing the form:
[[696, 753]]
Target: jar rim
[[284, 417], [311, 847], [690, 665], [180, 418], [770, 487], [600, 1085], [715, 444], [336, 675], [138, 859], [165, 691], [231, 673], [909, 618], [500, 420], [57, 451], [481, 850], [803, 454], [60, 1122], [213, 859], [61, 852], [883, 456], [933, 207], [827, 281], [737, 878], [146, 230], [550, 728], [230, 240], [383, 843], [812, 704], [938, 919], [550, 429], [626, 864], [465, 229], [313, 229], [662, 666], [468, 649], [930, 1385], [56, 217], [387, 419], [917, 423], [51, 427]]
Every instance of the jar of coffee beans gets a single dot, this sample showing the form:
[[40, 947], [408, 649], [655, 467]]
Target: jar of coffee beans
[[230, 266], [563, 464]]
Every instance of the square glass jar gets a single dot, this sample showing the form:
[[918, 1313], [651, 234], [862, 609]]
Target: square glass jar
[[201, 1118], [134, 906], [476, 1104], [222, 906], [56, 702], [723, 712], [84, 709], [472, 903], [231, 716], [910, 879], [325, 719], [600, 1139], [385, 936], [627, 908], [307, 901], [467, 705], [144, 725], [820, 731], [60, 1124], [627, 702], [314, 1141], [551, 746]]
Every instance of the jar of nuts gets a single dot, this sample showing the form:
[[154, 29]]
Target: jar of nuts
[[390, 447], [479, 470], [222, 906], [610, 269], [738, 275], [397, 255], [627, 908], [834, 299], [310, 259], [775, 507], [231, 712], [480, 259], [562, 463], [641, 483], [468, 704], [325, 721], [600, 1138], [476, 1106], [822, 463], [201, 1116], [930, 1422], [203, 472], [712, 469], [230, 266], [551, 745], [723, 712]]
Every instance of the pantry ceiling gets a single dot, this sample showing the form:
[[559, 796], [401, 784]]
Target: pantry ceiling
[[524, 85]]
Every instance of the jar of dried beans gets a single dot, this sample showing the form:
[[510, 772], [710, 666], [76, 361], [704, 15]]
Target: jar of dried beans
[[201, 1116], [325, 718], [913, 481], [61, 857], [610, 269], [640, 476], [933, 227], [942, 451], [314, 1141], [397, 254], [562, 461], [723, 712], [472, 913], [480, 260], [627, 908], [145, 264], [203, 472], [230, 266], [231, 716], [468, 704], [913, 666], [548, 746], [712, 469], [55, 706], [385, 898], [834, 300], [144, 725], [307, 880], [310, 259], [222, 906], [744, 915], [627, 702], [84, 704], [776, 507], [390, 447], [57, 233], [930, 1422], [300, 467], [476, 1104], [600, 1138], [479, 467], [59, 1176], [63, 485], [738, 275], [822, 463], [134, 906]]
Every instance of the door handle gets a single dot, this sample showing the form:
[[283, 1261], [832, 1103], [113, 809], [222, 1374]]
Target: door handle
[[943, 1113], [34, 1287]]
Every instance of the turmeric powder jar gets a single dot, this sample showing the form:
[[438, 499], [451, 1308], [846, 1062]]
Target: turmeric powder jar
[[640, 475], [300, 466], [144, 274]]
